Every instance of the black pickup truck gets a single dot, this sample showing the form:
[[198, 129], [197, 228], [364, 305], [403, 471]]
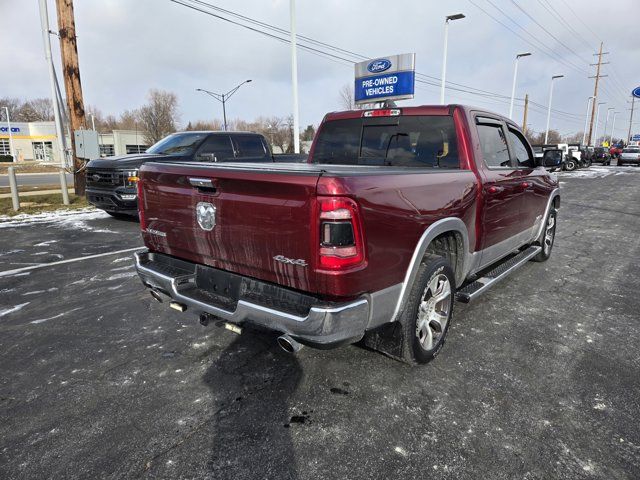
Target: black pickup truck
[[112, 182]]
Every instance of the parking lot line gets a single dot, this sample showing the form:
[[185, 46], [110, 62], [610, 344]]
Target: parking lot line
[[7, 273]]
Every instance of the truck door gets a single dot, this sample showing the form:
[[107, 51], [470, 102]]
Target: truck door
[[535, 190], [502, 191]]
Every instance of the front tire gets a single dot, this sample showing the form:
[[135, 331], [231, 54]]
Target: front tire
[[570, 165], [426, 317], [548, 237]]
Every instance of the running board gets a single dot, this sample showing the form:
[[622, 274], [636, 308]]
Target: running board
[[478, 287]]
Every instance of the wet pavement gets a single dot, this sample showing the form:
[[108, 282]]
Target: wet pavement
[[540, 378]]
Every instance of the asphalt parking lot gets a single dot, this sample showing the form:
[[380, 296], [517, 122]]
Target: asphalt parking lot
[[539, 379]]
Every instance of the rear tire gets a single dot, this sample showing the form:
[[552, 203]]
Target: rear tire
[[548, 237], [426, 318], [570, 165]]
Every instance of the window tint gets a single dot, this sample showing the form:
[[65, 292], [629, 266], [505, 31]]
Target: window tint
[[177, 144], [249, 146], [220, 145], [494, 146], [406, 141], [521, 150]]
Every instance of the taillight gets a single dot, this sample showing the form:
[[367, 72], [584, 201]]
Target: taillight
[[143, 222], [340, 234]]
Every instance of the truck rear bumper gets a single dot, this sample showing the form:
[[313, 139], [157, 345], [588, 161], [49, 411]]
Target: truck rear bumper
[[245, 301]]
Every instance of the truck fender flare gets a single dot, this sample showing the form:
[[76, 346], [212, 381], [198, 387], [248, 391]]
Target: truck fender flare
[[554, 194], [444, 225]]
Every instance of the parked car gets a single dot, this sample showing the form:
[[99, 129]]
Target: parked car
[[111, 181], [616, 150], [601, 155], [629, 155], [397, 212]]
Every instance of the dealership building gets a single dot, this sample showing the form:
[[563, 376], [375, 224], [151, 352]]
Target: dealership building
[[37, 141]]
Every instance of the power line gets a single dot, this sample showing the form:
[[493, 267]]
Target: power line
[[342, 55]]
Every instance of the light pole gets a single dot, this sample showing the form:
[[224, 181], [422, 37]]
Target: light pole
[[11, 150], [606, 122], [515, 76], [294, 77], [223, 97], [456, 16], [586, 120], [546, 135], [613, 126], [595, 133]]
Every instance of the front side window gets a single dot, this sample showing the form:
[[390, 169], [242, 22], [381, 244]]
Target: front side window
[[523, 155], [494, 146], [177, 144], [405, 141], [220, 145], [249, 146]]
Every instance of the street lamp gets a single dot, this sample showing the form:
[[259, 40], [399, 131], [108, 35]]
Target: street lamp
[[586, 119], [613, 126], [595, 133], [223, 97], [11, 150], [515, 75], [546, 135], [606, 122], [456, 16]]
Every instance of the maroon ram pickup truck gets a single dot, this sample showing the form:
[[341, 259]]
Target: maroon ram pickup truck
[[398, 212]]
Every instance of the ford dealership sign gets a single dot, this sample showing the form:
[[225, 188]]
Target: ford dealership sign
[[378, 66], [389, 78], [636, 92]]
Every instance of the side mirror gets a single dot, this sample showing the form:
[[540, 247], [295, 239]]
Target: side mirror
[[207, 157], [551, 158]]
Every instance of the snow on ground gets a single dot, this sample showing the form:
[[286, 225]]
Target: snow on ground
[[597, 171], [67, 219]]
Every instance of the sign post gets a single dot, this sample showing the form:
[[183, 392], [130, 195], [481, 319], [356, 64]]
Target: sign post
[[635, 93], [387, 78]]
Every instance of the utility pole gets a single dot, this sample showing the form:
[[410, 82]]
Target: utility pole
[[595, 89], [73, 88], [526, 111], [294, 78]]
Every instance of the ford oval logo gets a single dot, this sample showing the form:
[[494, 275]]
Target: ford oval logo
[[379, 65]]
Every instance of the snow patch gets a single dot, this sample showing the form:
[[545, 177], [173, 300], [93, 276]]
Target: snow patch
[[65, 219], [119, 276], [13, 309]]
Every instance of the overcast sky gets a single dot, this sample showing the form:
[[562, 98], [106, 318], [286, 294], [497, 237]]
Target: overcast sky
[[127, 47]]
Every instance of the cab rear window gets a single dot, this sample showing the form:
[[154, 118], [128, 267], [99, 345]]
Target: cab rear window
[[426, 141]]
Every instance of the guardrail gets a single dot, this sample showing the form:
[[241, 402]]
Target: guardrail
[[15, 194]]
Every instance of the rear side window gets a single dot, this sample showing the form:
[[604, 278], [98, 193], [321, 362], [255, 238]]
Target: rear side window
[[494, 146], [405, 141], [249, 146]]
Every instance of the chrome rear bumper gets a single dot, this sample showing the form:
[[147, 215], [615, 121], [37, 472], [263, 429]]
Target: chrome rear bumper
[[325, 325]]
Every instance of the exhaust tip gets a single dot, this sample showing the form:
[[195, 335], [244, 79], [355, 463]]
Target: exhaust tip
[[288, 344]]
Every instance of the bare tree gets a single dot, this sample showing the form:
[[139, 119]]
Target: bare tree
[[159, 116], [13, 104], [345, 97], [42, 109], [205, 125]]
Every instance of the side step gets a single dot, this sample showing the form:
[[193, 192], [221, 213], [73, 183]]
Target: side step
[[478, 287]]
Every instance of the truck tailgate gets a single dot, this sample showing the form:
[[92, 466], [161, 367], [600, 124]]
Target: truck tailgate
[[260, 213]]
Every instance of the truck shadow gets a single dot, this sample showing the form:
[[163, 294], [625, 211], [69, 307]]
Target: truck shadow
[[252, 381]]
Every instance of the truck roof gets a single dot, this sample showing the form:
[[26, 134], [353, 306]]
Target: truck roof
[[415, 110]]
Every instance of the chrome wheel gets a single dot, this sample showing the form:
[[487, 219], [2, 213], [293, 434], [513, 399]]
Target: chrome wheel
[[549, 234], [433, 312]]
